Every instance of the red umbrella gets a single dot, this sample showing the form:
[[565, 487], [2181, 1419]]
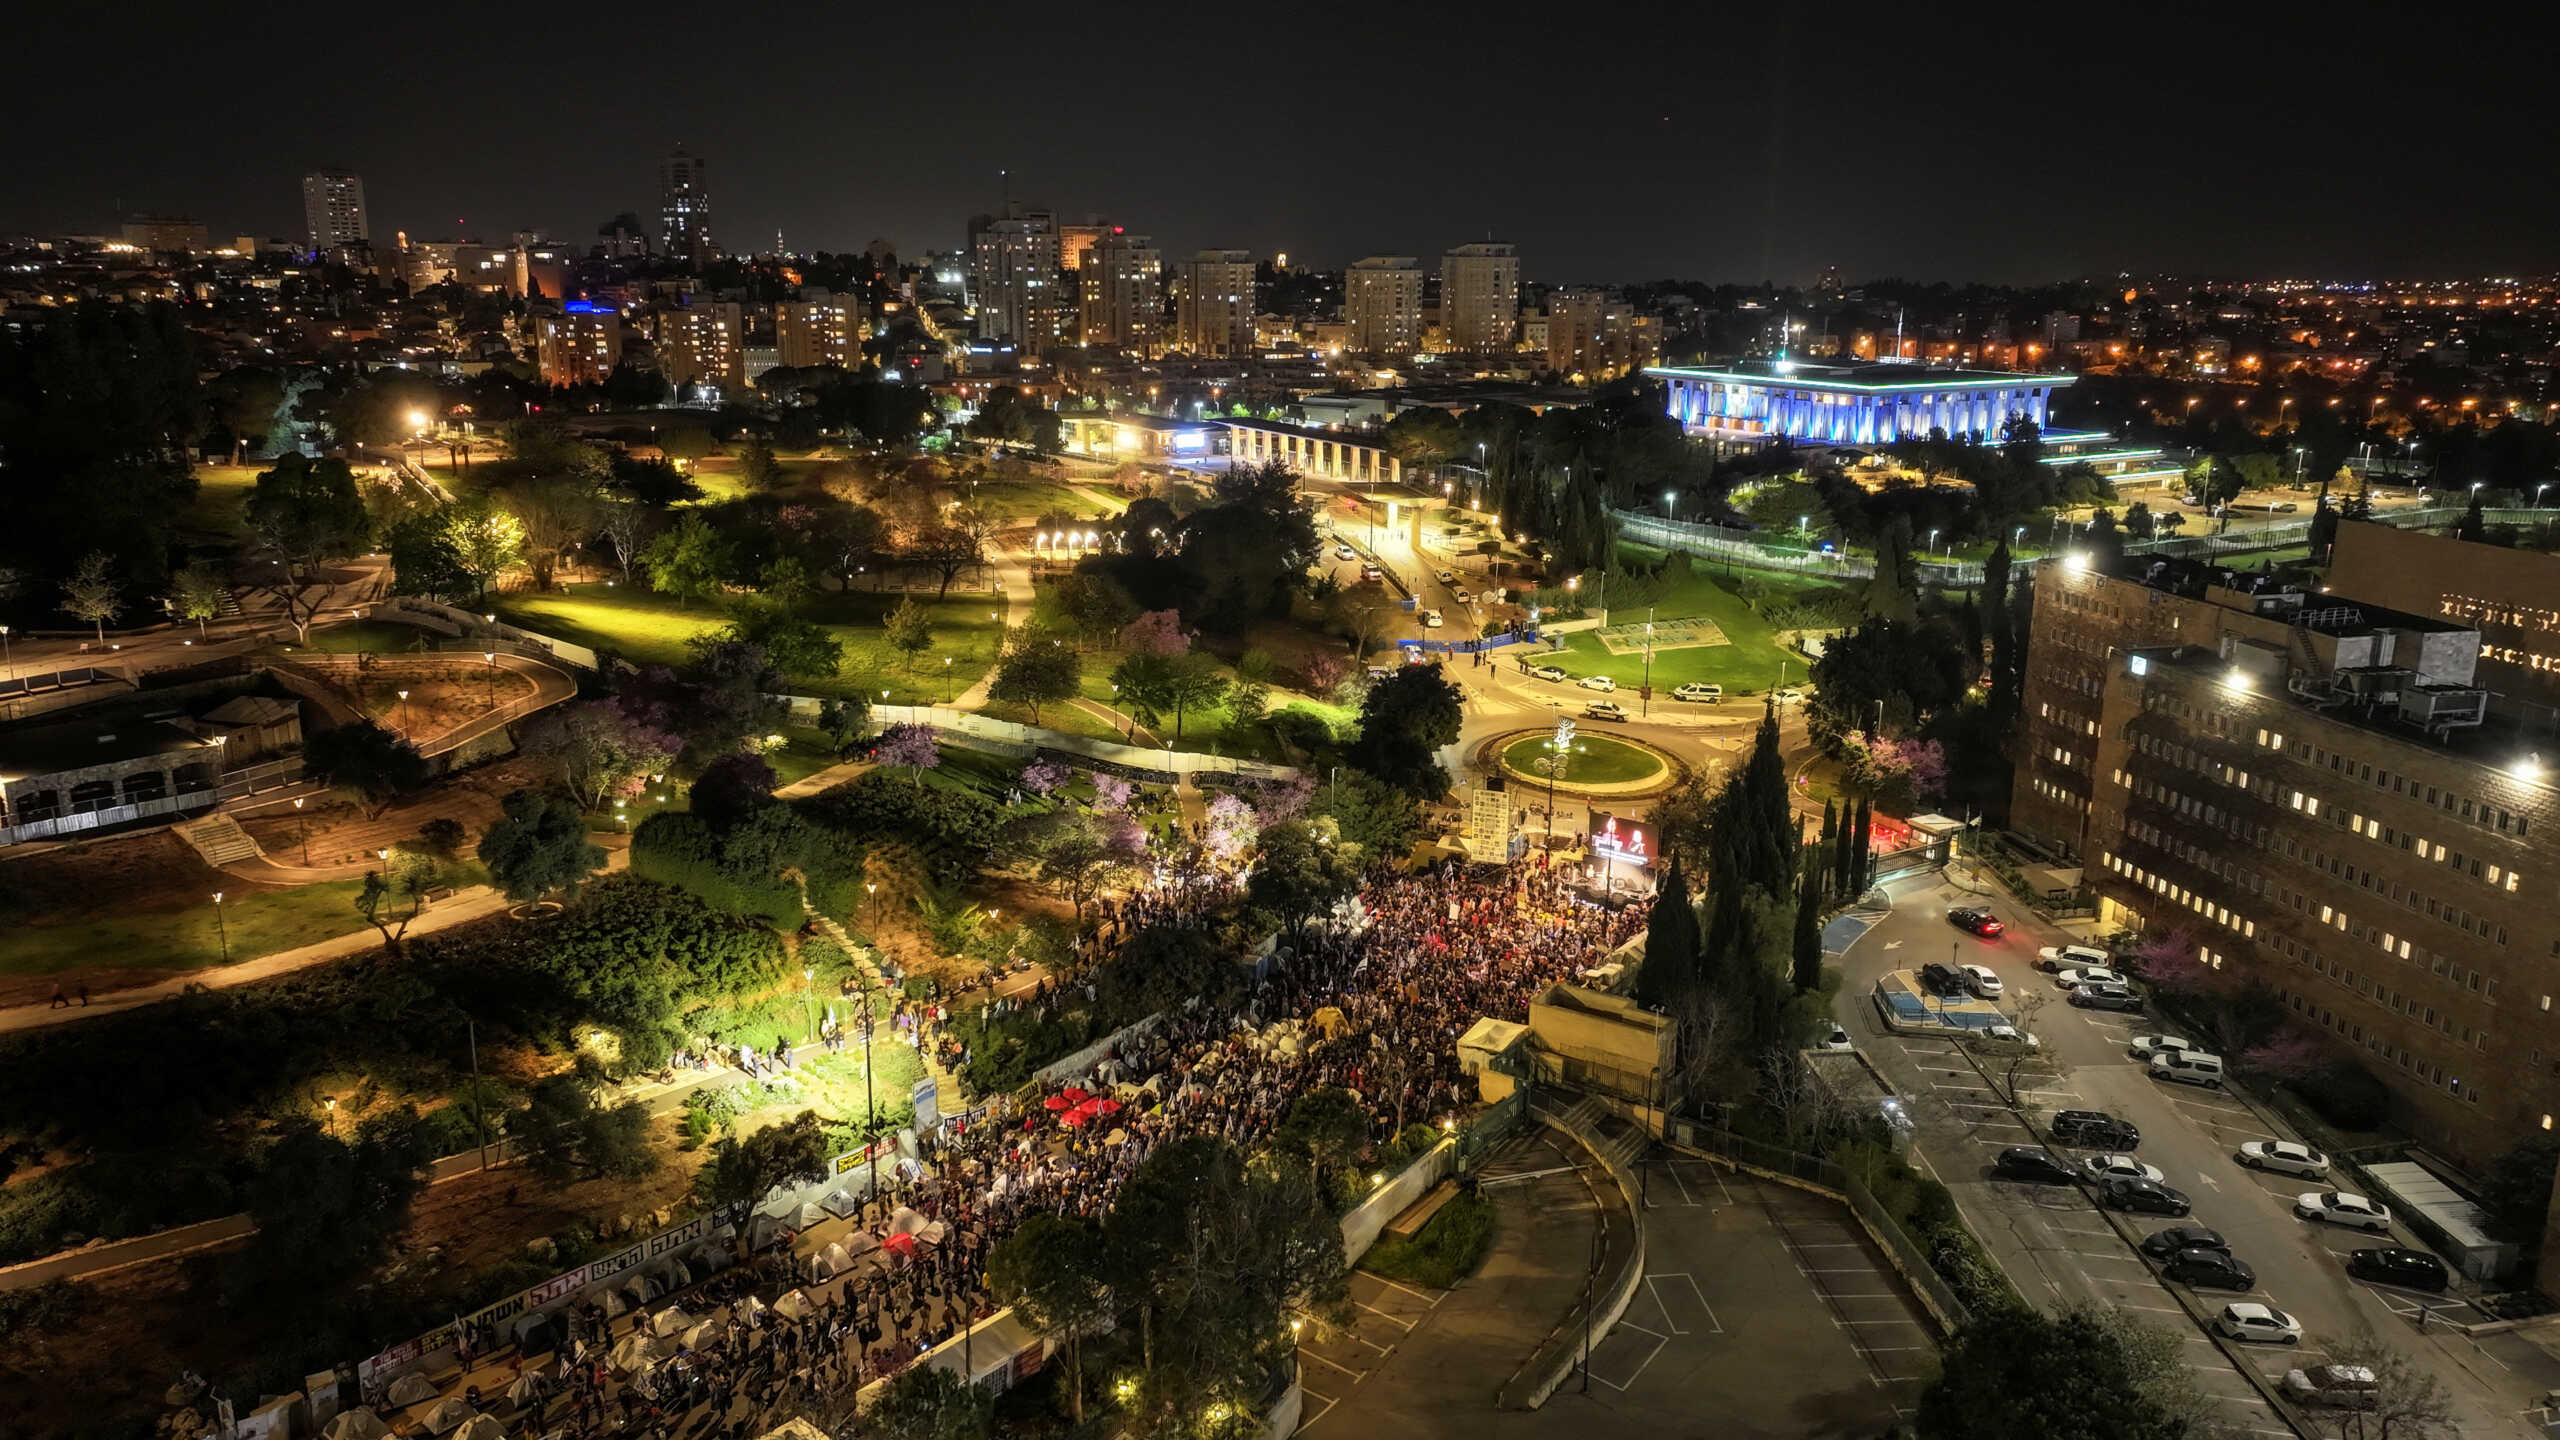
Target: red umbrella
[[1106, 1107], [1057, 1102], [1074, 1117], [899, 1244], [1073, 1093]]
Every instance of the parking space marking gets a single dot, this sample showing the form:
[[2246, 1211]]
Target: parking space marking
[[1409, 1290], [1383, 1315], [1714, 1325], [1306, 1354], [1659, 1341]]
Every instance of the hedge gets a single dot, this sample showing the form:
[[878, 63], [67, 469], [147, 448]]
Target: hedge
[[738, 869]]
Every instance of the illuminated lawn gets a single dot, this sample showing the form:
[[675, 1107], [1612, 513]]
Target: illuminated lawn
[[1597, 759]]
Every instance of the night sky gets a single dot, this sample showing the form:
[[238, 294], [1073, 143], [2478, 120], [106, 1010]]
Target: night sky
[[1612, 143]]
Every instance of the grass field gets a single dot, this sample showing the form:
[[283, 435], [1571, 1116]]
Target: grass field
[[221, 506], [1214, 731], [1597, 759], [260, 921], [377, 637], [1025, 503], [652, 629], [1751, 661]]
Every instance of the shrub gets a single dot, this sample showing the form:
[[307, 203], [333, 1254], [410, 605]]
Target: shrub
[[950, 831], [736, 869], [1447, 1249]]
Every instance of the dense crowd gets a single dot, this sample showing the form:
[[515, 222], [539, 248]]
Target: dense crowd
[[1421, 958]]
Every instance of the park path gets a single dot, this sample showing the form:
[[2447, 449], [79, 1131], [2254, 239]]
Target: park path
[[1013, 572], [475, 903]]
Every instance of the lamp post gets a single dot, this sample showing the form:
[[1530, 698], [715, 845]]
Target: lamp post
[[946, 679], [809, 998], [491, 656], [399, 714], [8, 656], [222, 927], [302, 828], [875, 910]]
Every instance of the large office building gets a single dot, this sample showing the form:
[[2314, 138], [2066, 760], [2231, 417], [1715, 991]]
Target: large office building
[[333, 213], [1121, 288], [1014, 280], [684, 206], [2320, 791], [1857, 404], [1480, 298], [2510, 594], [1213, 305], [580, 345], [1382, 304], [703, 346], [819, 328]]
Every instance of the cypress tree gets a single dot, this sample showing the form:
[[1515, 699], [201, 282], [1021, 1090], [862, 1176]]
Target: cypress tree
[[1671, 945], [1861, 839], [1808, 945], [1826, 851]]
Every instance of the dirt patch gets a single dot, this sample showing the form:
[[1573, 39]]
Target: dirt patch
[[341, 835]]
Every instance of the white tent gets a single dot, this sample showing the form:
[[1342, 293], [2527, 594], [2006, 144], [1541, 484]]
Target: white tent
[[527, 1389], [481, 1427], [356, 1424], [705, 1333], [618, 1303], [933, 1232], [906, 1221], [448, 1414], [411, 1389], [842, 1203], [794, 1306], [748, 1311], [809, 1215], [711, 1256], [633, 1353], [858, 1243], [668, 1321]]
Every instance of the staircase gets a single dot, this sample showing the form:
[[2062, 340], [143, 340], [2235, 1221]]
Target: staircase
[[219, 839]]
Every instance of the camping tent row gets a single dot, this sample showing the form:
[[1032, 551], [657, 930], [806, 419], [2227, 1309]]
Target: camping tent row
[[455, 1418], [545, 1330]]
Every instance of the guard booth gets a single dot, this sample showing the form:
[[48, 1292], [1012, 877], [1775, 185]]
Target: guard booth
[[1924, 842]]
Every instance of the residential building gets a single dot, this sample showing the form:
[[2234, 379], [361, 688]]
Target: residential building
[[1122, 287], [819, 328], [2320, 792], [1382, 304], [1014, 280], [1574, 323], [684, 206], [168, 234], [333, 213], [579, 346], [1213, 305], [703, 345], [1077, 241], [1480, 298]]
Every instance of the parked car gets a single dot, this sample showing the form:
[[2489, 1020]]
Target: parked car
[[2396, 1265], [2077, 976], [2103, 1168], [2339, 1387], [2146, 1046], [2053, 959], [2026, 1162], [2161, 1244], [2095, 1127], [2190, 1067], [1372, 572], [1605, 710], [1465, 595], [1788, 696], [1549, 672], [2012, 1035], [2145, 1197], [1431, 620], [1597, 682], [1838, 1039], [1977, 920], [2210, 1270], [1447, 577], [2106, 997], [1980, 980], [1700, 693], [1345, 552], [1942, 980], [2249, 1320], [2290, 1157], [2340, 1208]]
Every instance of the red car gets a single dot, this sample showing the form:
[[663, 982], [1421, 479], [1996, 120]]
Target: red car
[[1976, 919]]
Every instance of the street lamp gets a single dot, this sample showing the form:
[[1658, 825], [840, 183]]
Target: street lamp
[[222, 927], [8, 657], [946, 679], [875, 911], [400, 713], [808, 995], [492, 657], [303, 828]]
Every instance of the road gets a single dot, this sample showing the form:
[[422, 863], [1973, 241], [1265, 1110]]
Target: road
[[2058, 1248]]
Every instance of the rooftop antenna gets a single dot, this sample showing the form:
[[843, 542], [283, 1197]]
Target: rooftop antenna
[[1004, 183], [1897, 332]]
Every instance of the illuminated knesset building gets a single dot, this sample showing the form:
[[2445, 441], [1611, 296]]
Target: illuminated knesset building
[[1851, 404]]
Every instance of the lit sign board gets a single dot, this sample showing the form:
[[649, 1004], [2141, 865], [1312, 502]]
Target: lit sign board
[[1615, 839]]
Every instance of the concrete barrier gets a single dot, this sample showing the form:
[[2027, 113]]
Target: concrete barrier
[[1362, 1223], [1555, 1360]]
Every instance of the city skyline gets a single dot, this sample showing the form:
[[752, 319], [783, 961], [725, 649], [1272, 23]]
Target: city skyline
[[1672, 161]]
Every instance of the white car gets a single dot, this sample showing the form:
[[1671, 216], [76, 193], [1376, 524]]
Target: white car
[[2014, 1036], [1548, 672], [2103, 1168], [1465, 595], [1597, 682], [2291, 1157], [1345, 552], [1838, 1039], [2093, 975], [2146, 1046], [2249, 1320], [1981, 981], [2340, 1208], [1789, 696], [1430, 619], [2059, 957], [1605, 710], [1447, 577], [1700, 693]]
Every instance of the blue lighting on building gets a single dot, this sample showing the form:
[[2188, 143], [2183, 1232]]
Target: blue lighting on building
[[1852, 404], [586, 307]]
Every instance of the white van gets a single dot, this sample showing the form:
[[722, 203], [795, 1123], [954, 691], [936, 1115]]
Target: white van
[[2193, 1067]]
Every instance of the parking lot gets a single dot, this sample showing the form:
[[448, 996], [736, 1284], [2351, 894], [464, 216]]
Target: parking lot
[[2053, 1239]]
